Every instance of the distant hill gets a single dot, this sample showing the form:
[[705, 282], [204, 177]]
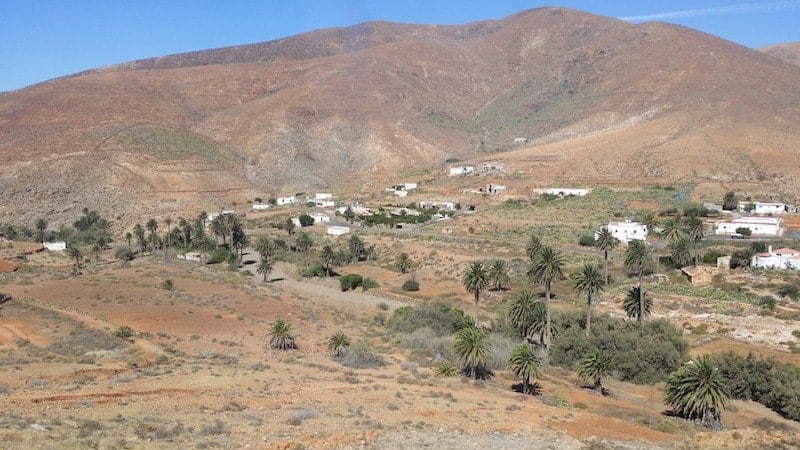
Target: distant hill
[[352, 108], [789, 52]]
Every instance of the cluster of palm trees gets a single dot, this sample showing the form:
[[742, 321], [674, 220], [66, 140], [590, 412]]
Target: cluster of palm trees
[[191, 233]]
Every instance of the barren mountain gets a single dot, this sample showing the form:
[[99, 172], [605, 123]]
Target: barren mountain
[[352, 108], [789, 52]]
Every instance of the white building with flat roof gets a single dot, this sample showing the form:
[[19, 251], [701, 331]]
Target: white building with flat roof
[[782, 258], [336, 230], [280, 201], [320, 218], [461, 170], [758, 226], [261, 206], [627, 231], [58, 246]]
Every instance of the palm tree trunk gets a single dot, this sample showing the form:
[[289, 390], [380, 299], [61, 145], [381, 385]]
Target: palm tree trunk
[[641, 303], [525, 385], [548, 332], [605, 265], [589, 316]]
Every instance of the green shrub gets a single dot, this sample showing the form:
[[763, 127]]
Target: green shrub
[[361, 356], [710, 257], [124, 253], [767, 302], [220, 255], [744, 231], [314, 271], [167, 284], [305, 220], [772, 383], [586, 240], [124, 332], [789, 290], [369, 283], [437, 315], [410, 285], [350, 281], [641, 357]]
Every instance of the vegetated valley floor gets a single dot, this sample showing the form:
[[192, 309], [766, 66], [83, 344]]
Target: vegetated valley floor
[[198, 372]]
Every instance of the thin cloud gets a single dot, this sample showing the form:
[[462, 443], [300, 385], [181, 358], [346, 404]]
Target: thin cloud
[[716, 11]]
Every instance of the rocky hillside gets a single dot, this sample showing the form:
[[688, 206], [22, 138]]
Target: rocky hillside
[[351, 108]]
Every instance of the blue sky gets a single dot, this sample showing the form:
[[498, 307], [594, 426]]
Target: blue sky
[[43, 39]]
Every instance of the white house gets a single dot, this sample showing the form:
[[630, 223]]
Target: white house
[[280, 201], [450, 206], [409, 186], [627, 231], [461, 170], [320, 217], [759, 226], [520, 140], [261, 206], [324, 203], [564, 192], [58, 246], [782, 258], [335, 230], [323, 196], [492, 188], [402, 193], [191, 256]]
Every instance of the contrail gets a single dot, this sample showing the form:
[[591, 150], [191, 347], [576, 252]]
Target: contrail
[[716, 11]]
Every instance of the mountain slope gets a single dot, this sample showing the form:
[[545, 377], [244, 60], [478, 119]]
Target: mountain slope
[[789, 52], [353, 108]]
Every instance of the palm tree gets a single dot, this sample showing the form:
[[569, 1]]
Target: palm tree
[[528, 314], [729, 201], [403, 262], [281, 335], [595, 366], [138, 231], [696, 231], [265, 267], [152, 226], [499, 274], [303, 241], [357, 247], [525, 363], [41, 227], [472, 347], [679, 252], [697, 391], [128, 237], [338, 344], [533, 246], [674, 230], [289, 226], [637, 304], [637, 260], [606, 242], [544, 269], [475, 279], [327, 257], [75, 253], [239, 239], [168, 223], [588, 281], [221, 226]]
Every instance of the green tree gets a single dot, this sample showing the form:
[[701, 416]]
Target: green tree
[[281, 335], [128, 237], [403, 262], [239, 238], [289, 226], [265, 267], [606, 242], [589, 282], [637, 260], [338, 343], [221, 226], [674, 230], [152, 226], [305, 220], [327, 257], [138, 231], [75, 253], [695, 230], [265, 247], [730, 202], [680, 252], [595, 366], [533, 246], [475, 279], [41, 227], [525, 364], [303, 241], [697, 391], [472, 347], [637, 304], [357, 247], [499, 274], [529, 315], [547, 267]]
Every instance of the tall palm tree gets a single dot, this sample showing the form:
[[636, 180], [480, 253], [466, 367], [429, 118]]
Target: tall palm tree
[[729, 201], [303, 241], [168, 223], [138, 231], [472, 347], [674, 230], [697, 391], [327, 257], [533, 246], [239, 239], [637, 304], [338, 344], [522, 311], [265, 247], [595, 366], [75, 253], [128, 237], [544, 269], [475, 279], [221, 226], [606, 242], [357, 247], [281, 335], [265, 267], [637, 260], [588, 281], [41, 227], [679, 252], [525, 363], [152, 226], [403, 262], [695, 230], [499, 274]]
